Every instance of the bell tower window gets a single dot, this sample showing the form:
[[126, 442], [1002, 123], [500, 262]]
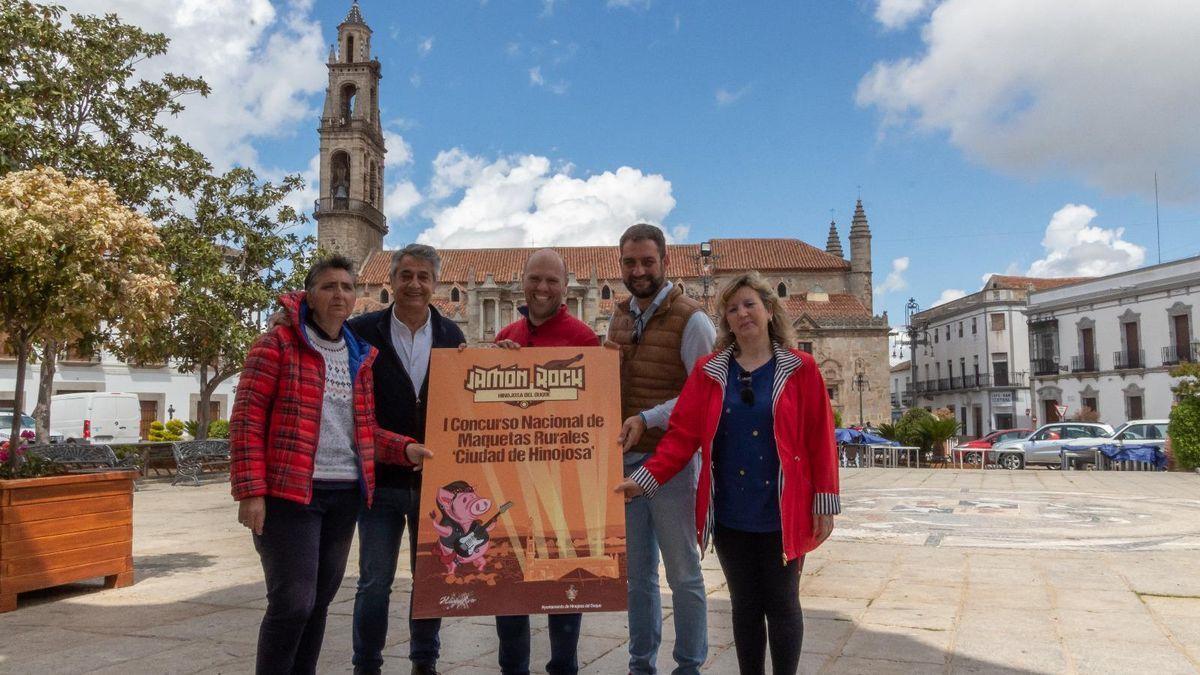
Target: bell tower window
[[781, 290], [455, 296], [339, 186], [349, 49], [349, 101]]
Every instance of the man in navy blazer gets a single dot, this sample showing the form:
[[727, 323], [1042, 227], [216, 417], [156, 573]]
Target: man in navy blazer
[[404, 333]]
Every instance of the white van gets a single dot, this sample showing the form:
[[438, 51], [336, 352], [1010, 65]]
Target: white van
[[100, 417]]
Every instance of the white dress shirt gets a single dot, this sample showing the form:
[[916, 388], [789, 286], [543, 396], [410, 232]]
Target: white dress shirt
[[413, 349]]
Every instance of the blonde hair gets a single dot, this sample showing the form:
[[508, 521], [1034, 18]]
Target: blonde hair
[[779, 329]]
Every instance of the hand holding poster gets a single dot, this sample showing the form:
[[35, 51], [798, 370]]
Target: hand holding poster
[[520, 514]]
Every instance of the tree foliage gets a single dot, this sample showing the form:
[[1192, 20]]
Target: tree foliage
[[231, 259], [1184, 427], [73, 257], [907, 427], [69, 100]]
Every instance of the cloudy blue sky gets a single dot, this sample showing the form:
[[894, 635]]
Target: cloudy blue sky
[[1017, 136]]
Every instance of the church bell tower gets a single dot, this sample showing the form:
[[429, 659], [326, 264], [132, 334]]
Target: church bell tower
[[349, 212]]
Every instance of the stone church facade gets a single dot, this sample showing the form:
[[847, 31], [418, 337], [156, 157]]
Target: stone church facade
[[828, 297]]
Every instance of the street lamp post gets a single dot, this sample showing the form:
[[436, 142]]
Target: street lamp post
[[861, 383], [706, 260], [913, 336]]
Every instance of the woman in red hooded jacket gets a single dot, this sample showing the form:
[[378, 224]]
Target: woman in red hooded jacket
[[303, 443], [758, 411]]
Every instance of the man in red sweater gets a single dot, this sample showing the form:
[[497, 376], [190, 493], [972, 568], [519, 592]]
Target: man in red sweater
[[546, 323]]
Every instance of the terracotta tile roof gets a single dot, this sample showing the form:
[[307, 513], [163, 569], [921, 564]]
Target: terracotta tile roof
[[838, 306], [1007, 282], [505, 264], [447, 308]]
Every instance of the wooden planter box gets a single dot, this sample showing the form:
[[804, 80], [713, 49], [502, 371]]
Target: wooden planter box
[[61, 529]]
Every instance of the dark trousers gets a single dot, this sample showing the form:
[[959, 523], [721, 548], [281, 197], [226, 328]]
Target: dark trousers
[[762, 588], [303, 550], [380, 530], [513, 632]]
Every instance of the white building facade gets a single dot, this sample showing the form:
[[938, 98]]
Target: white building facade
[[975, 356], [163, 392], [901, 388], [1107, 344]]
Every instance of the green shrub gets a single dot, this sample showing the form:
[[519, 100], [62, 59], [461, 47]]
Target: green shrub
[[1184, 429], [837, 419], [218, 429], [192, 427], [160, 432], [908, 428], [175, 427]]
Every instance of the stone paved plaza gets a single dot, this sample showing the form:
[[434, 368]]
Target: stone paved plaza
[[928, 571]]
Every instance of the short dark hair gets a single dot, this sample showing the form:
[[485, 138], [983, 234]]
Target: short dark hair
[[336, 261], [645, 231]]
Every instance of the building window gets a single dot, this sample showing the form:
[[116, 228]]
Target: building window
[[606, 293], [1000, 369], [974, 327], [947, 332], [997, 321], [959, 329], [455, 296], [832, 391], [936, 332], [781, 290], [1091, 403], [806, 347], [383, 295], [1134, 404]]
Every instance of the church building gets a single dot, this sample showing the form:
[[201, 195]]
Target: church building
[[828, 297]]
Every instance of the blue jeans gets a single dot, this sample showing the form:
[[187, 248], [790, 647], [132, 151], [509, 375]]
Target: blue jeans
[[513, 632], [379, 531], [665, 523]]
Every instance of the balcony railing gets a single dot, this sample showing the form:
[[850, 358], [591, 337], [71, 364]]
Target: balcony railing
[[1045, 366], [1126, 359], [355, 206], [1175, 354], [956, 382], [1084, 364]]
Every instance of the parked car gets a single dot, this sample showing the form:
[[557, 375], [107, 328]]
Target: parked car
[[1133, 432], [1042, 446], [100, 416], [969, 452], [27, 424]]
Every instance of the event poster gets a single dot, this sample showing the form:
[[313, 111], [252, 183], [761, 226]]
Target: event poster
[[518, 513]]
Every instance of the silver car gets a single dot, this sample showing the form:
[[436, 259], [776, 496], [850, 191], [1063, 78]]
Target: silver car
[[1043, 446], [1133, 432]]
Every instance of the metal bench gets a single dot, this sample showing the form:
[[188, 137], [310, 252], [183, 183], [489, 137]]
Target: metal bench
[[193, 458], [84, 457]]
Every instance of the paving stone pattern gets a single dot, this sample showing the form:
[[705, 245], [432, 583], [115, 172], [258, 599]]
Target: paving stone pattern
[[928, 571]]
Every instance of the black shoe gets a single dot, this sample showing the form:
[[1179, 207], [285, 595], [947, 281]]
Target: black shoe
[[424, 669]]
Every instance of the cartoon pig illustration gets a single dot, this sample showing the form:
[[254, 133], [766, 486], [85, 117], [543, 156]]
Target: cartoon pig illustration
[[462, 536]]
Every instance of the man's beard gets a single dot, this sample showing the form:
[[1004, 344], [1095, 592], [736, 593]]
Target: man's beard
[[656, 284]]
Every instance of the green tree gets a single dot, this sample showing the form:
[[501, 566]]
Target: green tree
[[908, 426], [934, 431], [1184, 427], [69, 100], [74, 255], [231, 259]]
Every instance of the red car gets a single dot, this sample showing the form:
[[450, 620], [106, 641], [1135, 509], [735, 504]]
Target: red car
[[969, 452]]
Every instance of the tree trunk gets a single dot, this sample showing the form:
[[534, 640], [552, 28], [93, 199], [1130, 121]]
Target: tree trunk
[[41, 411], [202, 406], [14, 460]]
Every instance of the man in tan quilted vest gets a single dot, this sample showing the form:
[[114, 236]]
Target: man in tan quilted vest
[[661, 332]]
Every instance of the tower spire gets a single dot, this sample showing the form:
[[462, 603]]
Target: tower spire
[[354, 15], [833, 245], [860, 256]]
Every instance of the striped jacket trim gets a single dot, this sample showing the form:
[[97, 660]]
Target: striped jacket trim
[[646, 481], [827, 504]]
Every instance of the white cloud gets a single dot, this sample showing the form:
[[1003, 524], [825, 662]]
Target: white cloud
[[1075, 248], [896, 14], [895, 279], [948, 295], [400, 200], [631, 4], [726, 97], [524, 201], [425, 46], [399, 152], [1104, 90], [536, 79], [264, 65]]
